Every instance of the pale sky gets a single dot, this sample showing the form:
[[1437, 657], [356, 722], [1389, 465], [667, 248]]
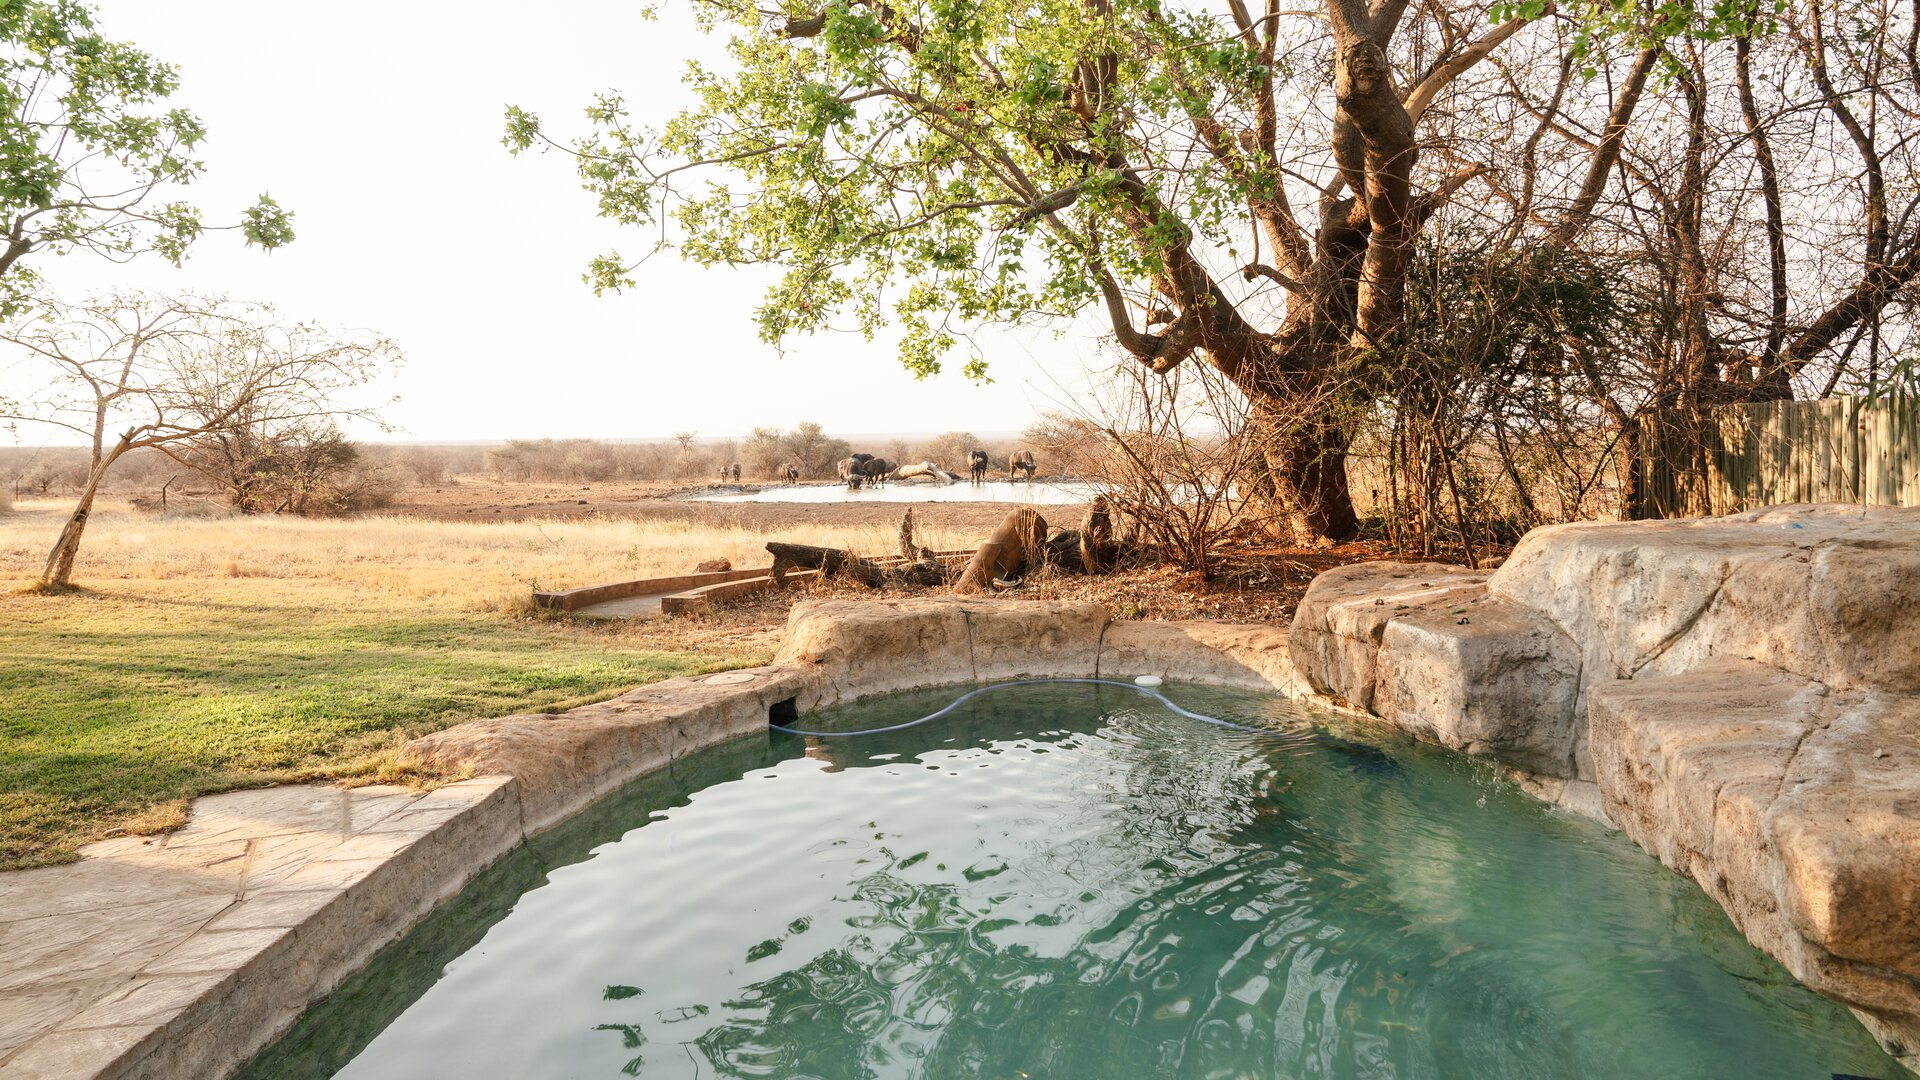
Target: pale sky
[[379, 125]]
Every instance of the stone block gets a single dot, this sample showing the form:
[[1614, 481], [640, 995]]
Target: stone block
[[1341, 622], [1252, 656], [1484, 676], [1795, 806]]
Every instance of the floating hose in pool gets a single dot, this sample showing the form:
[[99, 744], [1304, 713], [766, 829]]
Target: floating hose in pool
[[1146, 691]]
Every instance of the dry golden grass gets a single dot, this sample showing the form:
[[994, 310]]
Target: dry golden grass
[[451, 566], [202, 654]]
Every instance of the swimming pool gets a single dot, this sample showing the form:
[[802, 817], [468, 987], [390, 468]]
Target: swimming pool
[[1069, 880]]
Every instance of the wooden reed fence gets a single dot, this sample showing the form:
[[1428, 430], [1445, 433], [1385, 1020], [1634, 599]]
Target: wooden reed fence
[[1740, 457]]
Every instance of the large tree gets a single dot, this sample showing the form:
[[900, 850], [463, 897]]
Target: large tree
[[1253, 186], [1245, 185], [164, 373], [91, 148]]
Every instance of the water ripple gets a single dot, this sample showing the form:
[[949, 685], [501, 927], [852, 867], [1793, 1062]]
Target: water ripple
[[1067, 882]]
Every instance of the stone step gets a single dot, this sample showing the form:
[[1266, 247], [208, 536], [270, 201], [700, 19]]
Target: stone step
[[1795, 806]]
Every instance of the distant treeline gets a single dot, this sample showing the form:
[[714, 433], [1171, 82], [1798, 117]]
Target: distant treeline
[[320, 475], [368, 475], [760, 456]]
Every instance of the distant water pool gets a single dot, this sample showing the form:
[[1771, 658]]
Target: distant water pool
[[1069, 881], [1046, 492]]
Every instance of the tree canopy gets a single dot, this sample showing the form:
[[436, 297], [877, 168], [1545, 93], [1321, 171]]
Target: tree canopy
[[1255, 186], [90, 146]]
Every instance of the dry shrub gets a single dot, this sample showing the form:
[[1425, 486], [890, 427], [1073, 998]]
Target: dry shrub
[[1168, 452]]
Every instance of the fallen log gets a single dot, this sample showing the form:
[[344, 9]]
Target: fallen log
[[829, 561], [925, 468], [926, 571]]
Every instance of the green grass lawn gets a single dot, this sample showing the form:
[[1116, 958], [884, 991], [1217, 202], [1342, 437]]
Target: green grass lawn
[[118, 705]]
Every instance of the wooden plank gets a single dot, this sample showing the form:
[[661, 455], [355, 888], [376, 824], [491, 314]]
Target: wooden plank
[[1836, 437], [1779, 454], [1907, 438], [1851, 447], [1819, 455], [1786, 488], [588, 595], [1879, 454], [1910, 433], [1730, 434], [1806, 425]]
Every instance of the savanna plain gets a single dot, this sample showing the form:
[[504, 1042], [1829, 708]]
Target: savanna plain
[[206, 651]]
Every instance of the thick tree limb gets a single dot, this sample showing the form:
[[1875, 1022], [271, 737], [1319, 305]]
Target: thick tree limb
[[1427, 89], [1580, 212], [905, 34], [1866, 298], [1770, 197]]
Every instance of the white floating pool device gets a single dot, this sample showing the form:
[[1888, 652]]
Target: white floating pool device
[[1147, 680]]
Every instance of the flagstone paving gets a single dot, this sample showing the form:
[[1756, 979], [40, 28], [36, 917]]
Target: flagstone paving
[[98, 956]]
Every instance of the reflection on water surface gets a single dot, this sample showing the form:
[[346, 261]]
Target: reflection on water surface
[[1067, 881]]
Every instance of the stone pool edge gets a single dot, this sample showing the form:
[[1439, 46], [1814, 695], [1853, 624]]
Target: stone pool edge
[[228, 989], [268, 957]]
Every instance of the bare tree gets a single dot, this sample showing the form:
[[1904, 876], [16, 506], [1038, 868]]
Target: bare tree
[[133, 371]]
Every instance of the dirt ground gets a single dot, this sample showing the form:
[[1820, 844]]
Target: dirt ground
[[1252, 585]]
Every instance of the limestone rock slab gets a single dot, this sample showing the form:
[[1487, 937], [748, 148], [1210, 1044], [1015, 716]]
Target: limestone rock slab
[[1796, 807], [1253, 656], [1831, 593], [565, 760], [1484, 676], [1341, 622], [861, 647]]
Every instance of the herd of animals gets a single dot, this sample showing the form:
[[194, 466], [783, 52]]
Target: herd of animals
[[870, 470]]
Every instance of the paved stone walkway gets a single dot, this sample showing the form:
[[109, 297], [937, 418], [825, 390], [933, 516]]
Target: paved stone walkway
[[95, 956]]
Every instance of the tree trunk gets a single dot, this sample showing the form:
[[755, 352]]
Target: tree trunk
[[927, 469], [926, 570], [1307, 464], [1633, 482], [829, 561], [59, 571]]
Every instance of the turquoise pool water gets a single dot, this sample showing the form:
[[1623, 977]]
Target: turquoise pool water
[[1070, 881]]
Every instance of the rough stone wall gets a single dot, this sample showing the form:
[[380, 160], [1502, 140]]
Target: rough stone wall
[[1740, 695], [848, 649]]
